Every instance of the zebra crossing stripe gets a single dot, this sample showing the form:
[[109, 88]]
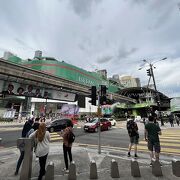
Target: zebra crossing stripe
[[162, 144], [56, 138], [167, 140]]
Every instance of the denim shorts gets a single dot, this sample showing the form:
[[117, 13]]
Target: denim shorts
[[134, 140], [154, 145]]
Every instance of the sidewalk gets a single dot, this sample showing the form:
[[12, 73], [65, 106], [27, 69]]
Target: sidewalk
[[82, 157]]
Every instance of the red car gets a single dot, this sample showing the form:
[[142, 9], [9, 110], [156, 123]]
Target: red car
[[93, 124]]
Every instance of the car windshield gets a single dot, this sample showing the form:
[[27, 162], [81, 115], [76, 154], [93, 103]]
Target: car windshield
[[94, 120]]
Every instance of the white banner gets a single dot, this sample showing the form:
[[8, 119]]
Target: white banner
[[63, 96]]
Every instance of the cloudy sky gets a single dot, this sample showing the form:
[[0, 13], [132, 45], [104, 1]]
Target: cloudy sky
[[98, 34]]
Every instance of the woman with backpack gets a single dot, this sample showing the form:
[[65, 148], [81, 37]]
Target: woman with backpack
[[42, 138], [68, 139]]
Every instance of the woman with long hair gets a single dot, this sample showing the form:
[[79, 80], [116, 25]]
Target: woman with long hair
[[42, 137]]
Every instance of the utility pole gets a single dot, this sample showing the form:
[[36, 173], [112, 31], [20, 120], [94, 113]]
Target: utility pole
[[157, 94], [151, 73], [99, 123]]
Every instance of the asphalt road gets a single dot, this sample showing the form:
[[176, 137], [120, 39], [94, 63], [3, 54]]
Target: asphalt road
[[117, 137]]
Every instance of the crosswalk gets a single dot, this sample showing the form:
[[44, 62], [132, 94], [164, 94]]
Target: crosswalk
[[169, 140], [55, 137]]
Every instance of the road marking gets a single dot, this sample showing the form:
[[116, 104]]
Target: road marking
[[162, 144], [140, 148], [10, 129]]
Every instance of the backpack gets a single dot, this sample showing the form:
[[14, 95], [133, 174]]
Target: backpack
[[71, 137], [132, 128]]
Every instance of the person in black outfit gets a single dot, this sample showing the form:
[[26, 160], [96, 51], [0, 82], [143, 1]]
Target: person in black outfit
[[36, 124], [26, 128]]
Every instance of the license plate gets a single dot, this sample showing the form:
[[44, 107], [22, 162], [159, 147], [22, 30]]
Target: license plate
[[86, 128]]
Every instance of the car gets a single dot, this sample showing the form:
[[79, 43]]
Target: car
[[137, 119], [93, 125], [57, 125], [113, 121]]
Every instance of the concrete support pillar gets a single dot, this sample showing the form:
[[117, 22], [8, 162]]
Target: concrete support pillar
[[20, 112], [114, 169], [156, 168], [176, 167], [26, 169], [93, 170], [50, 172], [72, 171], [135, 171]]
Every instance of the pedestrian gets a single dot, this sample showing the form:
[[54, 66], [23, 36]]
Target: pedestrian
[[171, 120], [177, 120], [151, 135], [36, 124], [27, 130], [42, 138], [133, 135], [155, 121], [67, 144]]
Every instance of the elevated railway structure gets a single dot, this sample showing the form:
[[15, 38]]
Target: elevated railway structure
[[10, 71]]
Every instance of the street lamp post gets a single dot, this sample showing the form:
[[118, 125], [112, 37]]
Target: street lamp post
[[151, 65]]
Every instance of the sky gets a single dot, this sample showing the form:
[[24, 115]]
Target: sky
[[115, 35]]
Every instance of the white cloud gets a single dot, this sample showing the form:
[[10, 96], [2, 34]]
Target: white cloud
[[113, 35]]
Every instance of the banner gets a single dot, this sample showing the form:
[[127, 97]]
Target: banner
[[8, 89]]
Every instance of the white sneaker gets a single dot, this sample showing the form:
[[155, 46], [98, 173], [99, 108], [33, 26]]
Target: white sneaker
[[66, 171]]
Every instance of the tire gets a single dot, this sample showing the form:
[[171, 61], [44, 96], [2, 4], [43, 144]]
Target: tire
[[51, 129], [114, 124]]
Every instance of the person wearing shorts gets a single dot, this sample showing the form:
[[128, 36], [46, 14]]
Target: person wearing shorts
[[151, 134], [133, 135]]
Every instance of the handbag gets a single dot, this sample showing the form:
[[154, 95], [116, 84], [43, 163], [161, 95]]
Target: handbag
[[35, 144], [137, 136]]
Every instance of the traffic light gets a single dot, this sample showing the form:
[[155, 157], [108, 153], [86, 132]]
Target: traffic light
[[103, 97], [93, 95], [148, 72]]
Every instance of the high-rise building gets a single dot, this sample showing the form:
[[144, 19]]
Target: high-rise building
[[127, 81], [7, 55]]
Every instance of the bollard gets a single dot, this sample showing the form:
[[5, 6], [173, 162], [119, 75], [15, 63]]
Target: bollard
[[93, 170], [0, 140], [50, 171], [135, 171], [114, 169], [156, 168], [176, 167], [26, 144], [72, 171]]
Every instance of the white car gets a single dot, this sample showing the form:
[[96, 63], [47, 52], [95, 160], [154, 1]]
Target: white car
[[113, 121], [137, 119]]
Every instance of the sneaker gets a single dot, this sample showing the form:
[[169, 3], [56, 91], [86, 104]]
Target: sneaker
[[150, 164], [129, 155], [135, 155], [66, 170]]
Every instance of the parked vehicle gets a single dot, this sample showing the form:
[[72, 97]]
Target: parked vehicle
[[113, 121], [93, 125], [57, 125]]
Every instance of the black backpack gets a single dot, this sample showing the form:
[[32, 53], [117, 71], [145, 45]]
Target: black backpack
[[131, 127], [71, 137]]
